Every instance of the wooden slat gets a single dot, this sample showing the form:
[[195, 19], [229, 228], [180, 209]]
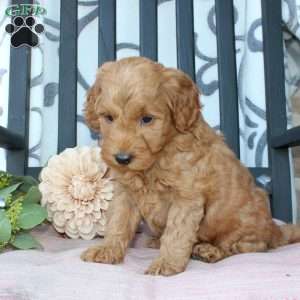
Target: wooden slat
[[34, 172], [185, 37], [67, 126], [11, 140], [18, 111], [148, 28], [290, 138], [107, 31], [276, 108], [229, 113]]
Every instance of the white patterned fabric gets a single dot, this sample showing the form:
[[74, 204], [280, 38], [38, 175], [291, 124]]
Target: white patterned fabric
[[45, 67]]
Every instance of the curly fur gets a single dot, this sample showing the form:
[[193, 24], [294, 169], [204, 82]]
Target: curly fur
[[184, 181]]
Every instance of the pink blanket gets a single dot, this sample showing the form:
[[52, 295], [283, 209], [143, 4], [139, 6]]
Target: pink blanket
[[57, 273]]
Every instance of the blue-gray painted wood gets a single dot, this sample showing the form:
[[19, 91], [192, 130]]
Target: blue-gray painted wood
[[185, 37], [107, 31], [228, 95], [148, 29], [34, 172], [19, 97], [276, 108], [290, 138], [11, 140], [67, 123]]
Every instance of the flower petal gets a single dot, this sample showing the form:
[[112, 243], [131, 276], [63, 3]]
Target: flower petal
[[75, 193], [59, 219]]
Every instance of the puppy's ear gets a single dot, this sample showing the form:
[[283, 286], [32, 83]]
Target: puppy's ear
[[182, 98], [90, 112], [93, 96]]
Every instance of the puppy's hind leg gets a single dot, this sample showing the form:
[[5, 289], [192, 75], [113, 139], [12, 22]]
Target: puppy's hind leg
[[243, 246], [211, 254], [207, 252], [246, 244]]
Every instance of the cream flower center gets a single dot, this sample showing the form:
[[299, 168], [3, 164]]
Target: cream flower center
[[83, 188]]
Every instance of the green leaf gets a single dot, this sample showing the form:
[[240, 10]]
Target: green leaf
[[27, 182], [25, 241], [33, 195], [8, 190], [31, 215], [26, 179], [5, 227]]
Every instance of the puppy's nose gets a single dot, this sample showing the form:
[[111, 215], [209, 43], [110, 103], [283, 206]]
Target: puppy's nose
[[123, 158]]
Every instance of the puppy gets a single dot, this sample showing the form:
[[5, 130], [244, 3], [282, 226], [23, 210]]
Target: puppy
[[173, 171]]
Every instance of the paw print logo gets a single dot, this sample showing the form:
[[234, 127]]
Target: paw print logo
[[24, 31]]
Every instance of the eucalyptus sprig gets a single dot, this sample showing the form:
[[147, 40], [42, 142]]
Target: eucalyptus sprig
[[20, 211]]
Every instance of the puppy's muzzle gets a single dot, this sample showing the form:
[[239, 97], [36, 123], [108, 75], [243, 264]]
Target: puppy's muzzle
[[123, 158]]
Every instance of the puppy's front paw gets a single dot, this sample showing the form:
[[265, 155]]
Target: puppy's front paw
[[160, 266], [103, 254]]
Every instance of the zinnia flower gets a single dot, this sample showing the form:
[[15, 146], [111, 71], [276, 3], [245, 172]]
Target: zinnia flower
[[77, 192]]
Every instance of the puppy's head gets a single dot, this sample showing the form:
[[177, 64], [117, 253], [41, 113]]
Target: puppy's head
[[139, 106]]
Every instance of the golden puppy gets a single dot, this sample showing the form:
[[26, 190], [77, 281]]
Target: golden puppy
[[173, 171]]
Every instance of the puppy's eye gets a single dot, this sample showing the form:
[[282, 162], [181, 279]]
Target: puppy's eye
[[109, 118], [145, 120]]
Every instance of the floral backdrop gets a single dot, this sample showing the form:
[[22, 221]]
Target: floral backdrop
[[248, 29]]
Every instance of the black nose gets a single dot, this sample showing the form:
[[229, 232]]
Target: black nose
[[123, 158]]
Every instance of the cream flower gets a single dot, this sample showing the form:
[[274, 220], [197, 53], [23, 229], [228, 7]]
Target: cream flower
[[76, 192]]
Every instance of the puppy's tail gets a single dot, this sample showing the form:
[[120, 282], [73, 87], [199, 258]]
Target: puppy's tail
[[285, 234]]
